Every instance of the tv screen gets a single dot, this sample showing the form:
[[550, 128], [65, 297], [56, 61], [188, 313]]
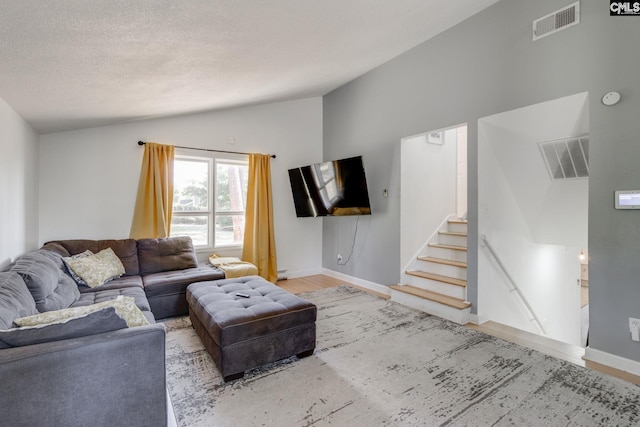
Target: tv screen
[[331, 188]]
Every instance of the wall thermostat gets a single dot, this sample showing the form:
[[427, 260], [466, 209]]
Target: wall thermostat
[[627, 199]]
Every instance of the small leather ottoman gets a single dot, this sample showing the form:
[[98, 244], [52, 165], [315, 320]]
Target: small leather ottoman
[[243, 332]]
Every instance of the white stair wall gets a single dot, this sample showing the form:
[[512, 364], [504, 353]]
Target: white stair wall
[[442, 269], [457, 239], [437, 251]]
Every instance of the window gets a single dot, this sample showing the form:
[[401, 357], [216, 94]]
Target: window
[[324, 175], [209, 200]]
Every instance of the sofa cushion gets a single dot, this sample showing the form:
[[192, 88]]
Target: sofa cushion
[[120, 282], [125, 249], [15, 299], [42, 272], [99, 295], [166, 254], [95, 322], [96, 269], [173, 282]]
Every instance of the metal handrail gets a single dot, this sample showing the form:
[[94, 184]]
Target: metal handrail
[[515, 286]]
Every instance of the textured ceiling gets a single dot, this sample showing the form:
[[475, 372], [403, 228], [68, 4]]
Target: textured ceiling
[[69, 64]]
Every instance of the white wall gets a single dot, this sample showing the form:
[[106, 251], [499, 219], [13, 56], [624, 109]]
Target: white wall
[[554, 210], [546, 274], [461, 174], [89, 177], [18, 185], [536, 226], [428, 189]]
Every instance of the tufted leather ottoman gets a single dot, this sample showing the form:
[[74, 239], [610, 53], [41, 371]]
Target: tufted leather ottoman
[[242, 333]]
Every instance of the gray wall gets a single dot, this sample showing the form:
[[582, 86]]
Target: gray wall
[[483, 66]]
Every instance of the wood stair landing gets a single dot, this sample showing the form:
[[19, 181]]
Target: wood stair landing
[[433, 296], [437, 277]]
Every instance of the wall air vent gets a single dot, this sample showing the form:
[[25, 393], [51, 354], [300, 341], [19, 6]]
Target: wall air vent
[[556, 21], [566, 158]]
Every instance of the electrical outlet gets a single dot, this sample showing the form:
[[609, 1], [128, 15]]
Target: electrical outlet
[[634, 328], [340, 260]]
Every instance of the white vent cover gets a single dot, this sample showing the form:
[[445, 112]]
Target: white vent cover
[[566, 158], [556, 21]]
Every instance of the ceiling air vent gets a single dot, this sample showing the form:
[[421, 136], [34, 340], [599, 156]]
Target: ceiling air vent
[[566, 158], [556, 21]]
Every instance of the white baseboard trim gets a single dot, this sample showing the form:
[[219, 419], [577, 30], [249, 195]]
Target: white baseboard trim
[[612, 361], [478, 319], [357, 281], [303, 273]]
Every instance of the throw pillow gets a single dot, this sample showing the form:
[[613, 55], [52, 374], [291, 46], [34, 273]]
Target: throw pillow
[[97, 269], [72, 273], [125, 307], [97, 322]]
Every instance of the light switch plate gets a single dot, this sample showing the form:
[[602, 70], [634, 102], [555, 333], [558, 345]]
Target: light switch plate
[[634, 328]]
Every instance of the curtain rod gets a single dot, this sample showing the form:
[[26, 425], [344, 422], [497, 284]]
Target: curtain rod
[[273, 156]]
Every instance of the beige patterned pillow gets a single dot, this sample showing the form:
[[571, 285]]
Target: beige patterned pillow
[[97, 269], [125, 308]]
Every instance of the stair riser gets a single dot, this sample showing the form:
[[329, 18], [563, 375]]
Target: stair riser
[[447, 239], [431, 307], [443, 269], [449, 254], [456, 227], [435, 286]]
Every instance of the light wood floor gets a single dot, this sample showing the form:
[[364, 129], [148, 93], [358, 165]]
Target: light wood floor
[[544, 345], [317, 282]]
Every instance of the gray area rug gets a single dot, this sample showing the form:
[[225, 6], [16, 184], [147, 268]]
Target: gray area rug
[[378, 363]]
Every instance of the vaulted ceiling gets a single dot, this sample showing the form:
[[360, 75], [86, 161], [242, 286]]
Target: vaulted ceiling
[[69, 64]]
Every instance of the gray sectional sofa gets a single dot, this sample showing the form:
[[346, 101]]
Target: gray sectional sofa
[[97, 372]]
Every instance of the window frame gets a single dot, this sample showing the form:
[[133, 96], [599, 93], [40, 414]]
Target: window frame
[[212, 159]]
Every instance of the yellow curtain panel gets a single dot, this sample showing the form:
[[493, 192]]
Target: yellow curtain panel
[[154, 204], [259, 240]]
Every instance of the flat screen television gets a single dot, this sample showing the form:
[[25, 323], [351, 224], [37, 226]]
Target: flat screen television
[[334, 188]]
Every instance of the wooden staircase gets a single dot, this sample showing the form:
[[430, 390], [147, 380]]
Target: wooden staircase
[[436, 281]]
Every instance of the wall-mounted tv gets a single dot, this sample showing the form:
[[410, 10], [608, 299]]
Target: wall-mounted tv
[[331, 188]]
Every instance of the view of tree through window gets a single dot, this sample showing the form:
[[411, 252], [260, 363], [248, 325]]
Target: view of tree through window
[[231, 195], [195, 180]]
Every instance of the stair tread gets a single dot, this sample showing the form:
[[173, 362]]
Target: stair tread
[[453, 233], [457, 221], [460, 264], [455, 248], [438, 277], [433, 296]]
